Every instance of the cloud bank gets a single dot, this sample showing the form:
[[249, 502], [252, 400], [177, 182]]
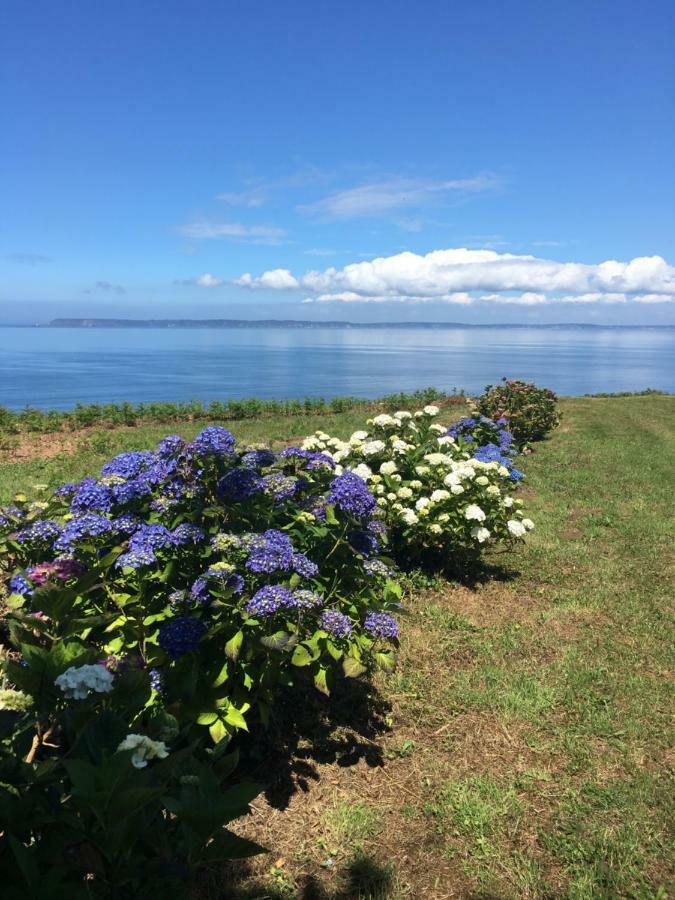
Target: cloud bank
[[254, 234], [465, 276]]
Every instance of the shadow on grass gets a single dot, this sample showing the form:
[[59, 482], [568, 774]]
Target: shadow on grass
[[363, 878], [307, 730], [428, 568]]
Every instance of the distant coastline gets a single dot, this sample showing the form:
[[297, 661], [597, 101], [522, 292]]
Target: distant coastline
[[303, 324]]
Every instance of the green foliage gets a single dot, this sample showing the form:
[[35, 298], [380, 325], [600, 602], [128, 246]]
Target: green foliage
[[31, 419], [531, 412]]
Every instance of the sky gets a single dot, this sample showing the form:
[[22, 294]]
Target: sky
[[403, 161]]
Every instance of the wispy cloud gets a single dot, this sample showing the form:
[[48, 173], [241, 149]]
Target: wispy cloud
[[251, 198], [105, 287], [376, 198], [203, 230], [462, 275], [207, 280], [29, 259]]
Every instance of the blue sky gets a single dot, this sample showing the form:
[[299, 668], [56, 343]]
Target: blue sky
[[303, 159]]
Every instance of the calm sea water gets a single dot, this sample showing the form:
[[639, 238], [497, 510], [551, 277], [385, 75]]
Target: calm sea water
[[55, 368]]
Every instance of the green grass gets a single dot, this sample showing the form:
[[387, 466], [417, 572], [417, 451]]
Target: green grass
[[531, 748]]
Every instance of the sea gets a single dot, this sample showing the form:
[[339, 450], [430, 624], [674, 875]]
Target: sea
[[55, 368]]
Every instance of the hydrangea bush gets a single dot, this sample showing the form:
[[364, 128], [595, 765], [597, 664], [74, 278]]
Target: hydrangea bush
[[438, 490], [530, 411], [151, 613]]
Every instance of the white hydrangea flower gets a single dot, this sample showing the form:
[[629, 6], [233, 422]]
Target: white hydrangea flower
[[422, 470], [405, 493], [363, 471], [372, 448], [492, 490], [438, 459], [435, 529], [388, 468], [399, 446], [384, 421], [439, 495], [480, 534], [422, 503], [444, 517], [529, 524], [437, 429], [416, 484], [382, 501], [482, 480], [431, 410], [358, 438], [508, 502], [380, 489], [419, 414], [391, 498], [474, 512], [409, 516], [403, 414], [452, 478], [77, 682], [456, 489], [445, 440], [338, 470], [516, 528], [503, 471], [144, 749]]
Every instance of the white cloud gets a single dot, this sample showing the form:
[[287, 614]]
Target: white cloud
[[252, 198], [208, 281], [461, 275], [391, 194], [276, 279], [256, 234]]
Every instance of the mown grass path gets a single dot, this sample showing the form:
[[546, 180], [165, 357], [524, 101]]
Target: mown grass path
[[523, 747]]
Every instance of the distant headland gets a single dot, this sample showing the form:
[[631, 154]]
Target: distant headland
[[291, 323]]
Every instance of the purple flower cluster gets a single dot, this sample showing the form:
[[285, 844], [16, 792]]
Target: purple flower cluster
[[149, 538], [129, 465], [239, 484], [18, 584], [59, 570], [350, 494], [336, 623], [181, 635], [492, 453], [135, 559], [311, 458], [43, 532], [87, 526], [380, 624], [187, 534], [305, 599], [266, 601], [281, 487], [90, 496], [230, 580], [258, 459], [212, 441], [376, 567]]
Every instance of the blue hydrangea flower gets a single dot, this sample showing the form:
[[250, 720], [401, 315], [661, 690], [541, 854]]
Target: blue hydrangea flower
[[259, 459], [363, 542], [200, 590], [43, 531], [238, 484], [151, 537], [381, 624], [377, 568], [281, 487], [126, 523], [88, 525], [131, 490], [187, 534], [303, 565], [311, 458], [271, 552], [227, 578], [91, 496], [18, 584], [181, 635], [212, 441], [492, 453], [170, 446], [135, 559], [156, 680], [335, 623], [350, 493], [129, 465], [269, 599], [177, 599], [305, 599]]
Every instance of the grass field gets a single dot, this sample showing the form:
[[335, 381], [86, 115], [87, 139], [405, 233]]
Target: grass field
[[523, 747]]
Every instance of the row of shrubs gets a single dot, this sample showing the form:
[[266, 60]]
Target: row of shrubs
[[155, 611], [111, 414]]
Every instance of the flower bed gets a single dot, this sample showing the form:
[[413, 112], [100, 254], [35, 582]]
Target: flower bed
[[153, 612], [439, 491]]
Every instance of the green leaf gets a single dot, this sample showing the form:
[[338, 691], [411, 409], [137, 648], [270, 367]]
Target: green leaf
[[323, 680], [301, 656], [219, 732], [276, 641], [207, 718], [235, 718], [221, 677], [233, 646], [386, 660], [352, 667]]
